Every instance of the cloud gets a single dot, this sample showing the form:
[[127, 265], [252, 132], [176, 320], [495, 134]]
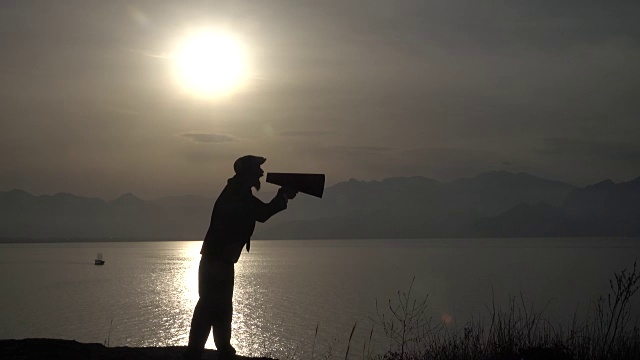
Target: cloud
[[209, 137], [305, 133], [158, 55]]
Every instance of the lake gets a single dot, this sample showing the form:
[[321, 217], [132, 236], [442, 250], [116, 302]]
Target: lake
[[145, 293]]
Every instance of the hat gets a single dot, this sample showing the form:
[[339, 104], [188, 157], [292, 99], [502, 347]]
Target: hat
[[247, 162]]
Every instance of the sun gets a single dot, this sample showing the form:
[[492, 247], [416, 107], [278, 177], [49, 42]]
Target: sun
[[210, 63]]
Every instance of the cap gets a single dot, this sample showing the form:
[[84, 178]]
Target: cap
[[247, 162]]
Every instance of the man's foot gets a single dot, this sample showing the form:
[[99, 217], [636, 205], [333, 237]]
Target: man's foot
[[227, 352]]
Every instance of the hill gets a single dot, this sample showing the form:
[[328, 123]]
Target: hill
[[492, 204]]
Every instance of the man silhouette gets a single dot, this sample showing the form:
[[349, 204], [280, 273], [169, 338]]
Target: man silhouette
[[232, 223]]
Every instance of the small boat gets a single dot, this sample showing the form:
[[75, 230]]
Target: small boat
[[99, 260]]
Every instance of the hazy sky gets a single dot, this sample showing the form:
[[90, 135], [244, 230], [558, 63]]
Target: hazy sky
[[89, 102]]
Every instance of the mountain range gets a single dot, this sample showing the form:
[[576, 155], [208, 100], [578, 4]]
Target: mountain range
[[492, 204]]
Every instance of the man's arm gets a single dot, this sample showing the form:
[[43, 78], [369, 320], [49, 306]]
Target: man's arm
[[265, 211], [279, 202]]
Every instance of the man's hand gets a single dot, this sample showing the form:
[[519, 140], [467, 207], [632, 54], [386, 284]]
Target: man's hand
[[287, 192], [280, 200]]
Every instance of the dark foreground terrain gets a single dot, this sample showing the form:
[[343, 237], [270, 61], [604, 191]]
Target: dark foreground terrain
[[31, 349], [71, 350]]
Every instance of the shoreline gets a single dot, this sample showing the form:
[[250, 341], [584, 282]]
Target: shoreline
[[44, 348]]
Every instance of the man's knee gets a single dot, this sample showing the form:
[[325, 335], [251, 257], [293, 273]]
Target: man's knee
[[215, 308]]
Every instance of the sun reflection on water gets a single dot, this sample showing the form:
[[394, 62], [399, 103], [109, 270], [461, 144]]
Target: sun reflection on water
[[187, 296], [186, 301]]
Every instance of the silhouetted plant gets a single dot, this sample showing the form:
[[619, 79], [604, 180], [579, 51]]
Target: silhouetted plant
[[607, 334], [108, 339], [406, 325], [315, 336], [519, 332], [346, 356], [367, 354]]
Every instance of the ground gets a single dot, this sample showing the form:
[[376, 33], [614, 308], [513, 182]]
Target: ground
[[28, 349]]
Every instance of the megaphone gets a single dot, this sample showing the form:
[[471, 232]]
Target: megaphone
[[311, 184]]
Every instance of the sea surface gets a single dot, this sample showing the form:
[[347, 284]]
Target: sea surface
[[145, 293]]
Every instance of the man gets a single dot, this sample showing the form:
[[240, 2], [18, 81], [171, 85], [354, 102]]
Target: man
[[232, 223]]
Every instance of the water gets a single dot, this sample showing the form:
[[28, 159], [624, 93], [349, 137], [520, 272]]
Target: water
[[146, 292]]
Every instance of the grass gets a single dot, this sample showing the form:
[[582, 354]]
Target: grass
[[608, 331], [107, 340]]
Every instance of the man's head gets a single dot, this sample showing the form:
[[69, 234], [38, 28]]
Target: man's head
[[248, 169]]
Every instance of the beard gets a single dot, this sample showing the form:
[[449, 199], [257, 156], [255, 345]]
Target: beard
[[256, 185]]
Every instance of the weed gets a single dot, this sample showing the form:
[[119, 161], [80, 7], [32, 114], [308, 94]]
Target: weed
[[519, 332]]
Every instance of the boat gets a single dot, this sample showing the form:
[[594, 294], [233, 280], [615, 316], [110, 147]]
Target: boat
[[99, 260]]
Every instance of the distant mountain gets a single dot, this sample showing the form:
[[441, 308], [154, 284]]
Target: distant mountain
[[62, 215], [492, 193], [602, 209], [606, 208], [492, 204], [524, 220], [412, 207]]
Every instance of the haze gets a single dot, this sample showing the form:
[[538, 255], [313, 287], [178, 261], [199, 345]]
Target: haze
[[89, 103]]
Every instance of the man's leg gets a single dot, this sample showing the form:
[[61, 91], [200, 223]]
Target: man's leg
[[224, 312], [200, 327], [203, 314]]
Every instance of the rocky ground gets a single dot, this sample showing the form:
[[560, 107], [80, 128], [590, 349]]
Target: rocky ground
[[29, 349]]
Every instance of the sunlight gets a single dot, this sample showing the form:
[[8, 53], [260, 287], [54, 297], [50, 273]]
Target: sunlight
[[446, 318], [210, 63], [190, 295], [190, 274]]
